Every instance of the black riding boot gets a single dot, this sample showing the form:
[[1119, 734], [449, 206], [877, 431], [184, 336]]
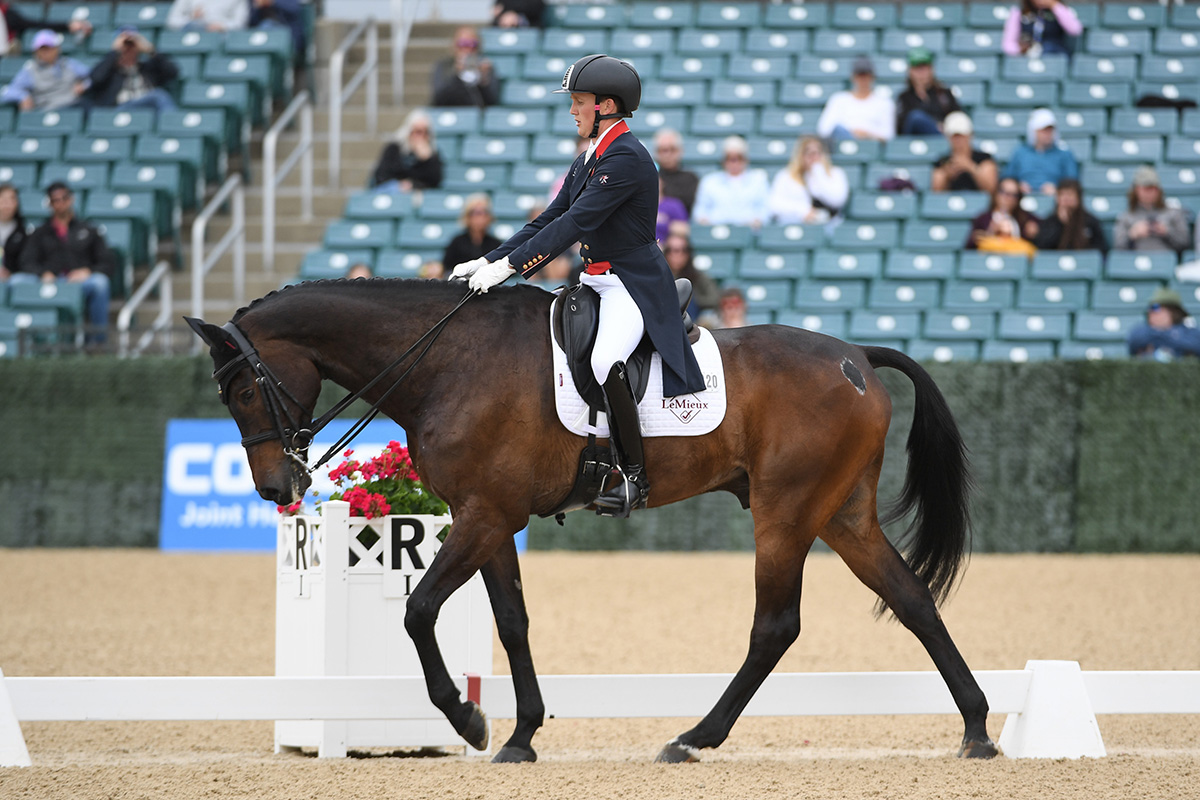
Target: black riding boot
[[625, 436]]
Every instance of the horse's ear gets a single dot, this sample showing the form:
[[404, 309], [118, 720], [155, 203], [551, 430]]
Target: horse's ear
[[211, 335]]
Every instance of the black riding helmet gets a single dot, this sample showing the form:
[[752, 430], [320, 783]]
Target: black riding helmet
[[604, 76]]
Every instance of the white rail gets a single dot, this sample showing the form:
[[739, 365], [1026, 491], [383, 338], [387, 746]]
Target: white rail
[[1051, 704], [272, 178], [233, 190], [339, 95], [161, 276], [402, 24]]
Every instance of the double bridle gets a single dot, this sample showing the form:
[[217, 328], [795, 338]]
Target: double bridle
[[288, 430]]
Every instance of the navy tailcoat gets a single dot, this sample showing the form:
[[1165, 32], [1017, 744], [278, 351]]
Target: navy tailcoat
[[610, 205]]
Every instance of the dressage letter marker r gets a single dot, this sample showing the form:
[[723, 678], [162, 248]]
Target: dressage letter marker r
[[401, 544], [301, 541]]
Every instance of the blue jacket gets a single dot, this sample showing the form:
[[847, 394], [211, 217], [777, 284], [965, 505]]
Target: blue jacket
[[1036, 168], [611, 208], [1164, 345]]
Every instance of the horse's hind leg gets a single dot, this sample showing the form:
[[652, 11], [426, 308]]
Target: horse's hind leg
[[502, 575], [877, 564], [778, 570]]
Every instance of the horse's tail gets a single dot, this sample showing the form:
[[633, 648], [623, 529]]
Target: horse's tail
[[937, 484]]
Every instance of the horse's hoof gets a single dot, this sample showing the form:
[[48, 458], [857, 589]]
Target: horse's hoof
[[676, 753], [514, 755], [978, 749], [476, 730]]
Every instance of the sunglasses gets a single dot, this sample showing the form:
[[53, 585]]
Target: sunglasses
[[470, 44], [1156, 306], [60, 198]]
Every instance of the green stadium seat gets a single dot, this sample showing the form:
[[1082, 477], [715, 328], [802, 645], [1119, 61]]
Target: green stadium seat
[[573, 42], [1028, 325], [1185, 16], [776, 42], [1062, 296], [324, 264], [80, 177], [1175, 43], [807, 94], [917, 174], [22, 176], [999, 121], [723, 121], [976, 266], [1178, 179], [934, 236], [210, 126], [1107, 177], [1066, 265], [751, 66], [639, 45], [762, 264], [717, 264], [521, 94], [703, 153], [1040, 205], [593, 15], [741, 93], [405, 263], [63, 298], [942, 352], [892, 72], [1023, 95], [1169, 69], [1017, 352], [852, 235], [1034, 70], [828, 296], [99, 15], [499, 121], [254, 71], [1104, 207], [9, 67], [799, 15], [539, 67], [671, 91], [787, 122], [127, 251], [1128, 149], [667, 14], [1127, 296], [503, 229], [1100, 69], [177, 43], [1083, 121], [1105, 42], [423, 234], [82, 148], [558, 151], [138, 207], [853, 151], [932, 15], [1080, 145], [654, 118], [870, 324], [899, 42], [1092, 351], [482, 149], [721, 237], [276, 44], [525, 177], [915, 149], [8, 115], [234, 98], [165, 181], [999, 148], [790, 237], [892, 295], [987, 14], [972, 43], [476, 177], [831, 323], [771, 152], [867, 205], [728, 15], [908, 266], [844, 43], [26, 324], [496, 41], [863, 15], [768, 295], [345, 234], [378, 205], [1172, 90], [954, 205], [838, 265], [187, 153], [708, 42], [972, 296], [144, 16], [1122, 16], [114, 122], [456, 120], [63, 122], [1094, 326], [959, 326], [440, 204]]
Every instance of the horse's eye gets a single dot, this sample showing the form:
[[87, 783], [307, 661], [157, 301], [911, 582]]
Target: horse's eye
[[246, 396]]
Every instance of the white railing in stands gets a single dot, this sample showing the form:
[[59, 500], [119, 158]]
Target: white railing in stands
[[339, 95], [235, 237], [402, 23], [272, 177], [163, 277]]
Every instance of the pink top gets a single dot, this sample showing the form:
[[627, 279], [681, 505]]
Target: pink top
[[1066, 17]]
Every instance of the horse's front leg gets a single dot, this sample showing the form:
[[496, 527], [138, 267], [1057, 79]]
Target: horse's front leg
[[469, 545], [503, 578]]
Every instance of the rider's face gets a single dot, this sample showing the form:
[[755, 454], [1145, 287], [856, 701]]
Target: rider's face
[[583, 109]]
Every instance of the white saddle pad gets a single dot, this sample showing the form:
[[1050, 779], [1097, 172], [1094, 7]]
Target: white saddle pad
[[685, 415]]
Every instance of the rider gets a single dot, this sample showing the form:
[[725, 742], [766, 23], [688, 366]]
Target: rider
[[608, 203]]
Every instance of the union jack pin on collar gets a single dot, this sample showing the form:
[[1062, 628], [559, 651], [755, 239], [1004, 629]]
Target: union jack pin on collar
[[603, 179]]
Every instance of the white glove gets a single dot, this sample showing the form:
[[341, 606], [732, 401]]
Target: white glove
[[468, 268], [490, 275]]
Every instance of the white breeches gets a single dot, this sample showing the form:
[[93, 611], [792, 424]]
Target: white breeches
[[621, 326]]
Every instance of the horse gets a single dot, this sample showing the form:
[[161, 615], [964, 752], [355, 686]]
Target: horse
[[801, 446]]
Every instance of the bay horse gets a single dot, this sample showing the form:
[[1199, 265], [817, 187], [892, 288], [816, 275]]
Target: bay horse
[[801, 446]]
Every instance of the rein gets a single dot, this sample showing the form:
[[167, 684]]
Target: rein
[[296, 440]]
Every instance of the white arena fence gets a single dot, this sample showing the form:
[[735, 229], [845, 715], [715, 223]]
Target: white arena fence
[[1051, 704]]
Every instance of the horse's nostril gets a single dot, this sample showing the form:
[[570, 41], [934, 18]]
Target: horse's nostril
[[270, 495]]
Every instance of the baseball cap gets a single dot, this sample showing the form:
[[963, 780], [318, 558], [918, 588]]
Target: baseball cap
[[919, 56], [863, 66], [957, 122], [46, 38], [1167, 297], [1146, 176]]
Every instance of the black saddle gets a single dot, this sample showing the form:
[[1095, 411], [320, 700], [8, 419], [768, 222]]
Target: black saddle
[[576, 314]]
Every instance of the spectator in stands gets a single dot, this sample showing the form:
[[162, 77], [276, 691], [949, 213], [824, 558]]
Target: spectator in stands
[[1005, 227], [208, 15], [1164, 336], [1149, 224], [359, 270], [1040, 27], [476, 238], [1071, 227], [925, 102], [1041, 161], [863, 112], [67, 248], [518, 13], [672, 215], [810, 189], [677, 182], [734, 195], [581, 144], [49, 80], [281, 14], [432, 270], [465, 78], [559, 271], [411, 160], [132, 75], [963, 169], [677, 248], [14, 231], [731, 309], [13, 25]]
